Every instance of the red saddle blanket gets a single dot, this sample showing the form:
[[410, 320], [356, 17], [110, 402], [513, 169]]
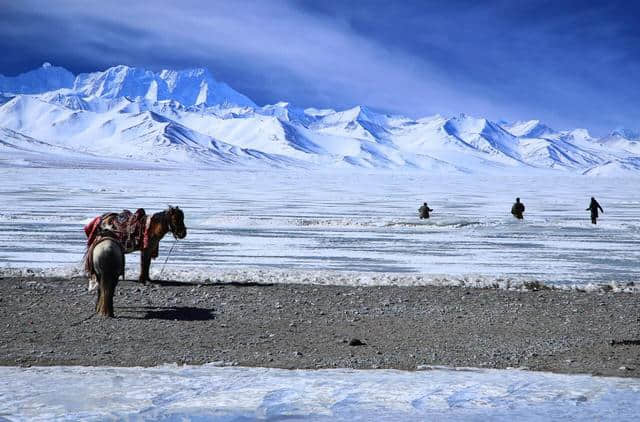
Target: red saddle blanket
[[128, 228]]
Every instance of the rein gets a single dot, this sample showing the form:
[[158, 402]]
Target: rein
[[168, 255], [175, 236]]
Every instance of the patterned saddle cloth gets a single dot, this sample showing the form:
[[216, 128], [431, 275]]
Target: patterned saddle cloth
[[126, 227]]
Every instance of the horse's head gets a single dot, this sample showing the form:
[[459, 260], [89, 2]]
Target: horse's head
[[176, 222]]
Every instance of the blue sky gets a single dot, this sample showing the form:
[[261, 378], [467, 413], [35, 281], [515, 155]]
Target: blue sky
[[569, 64]]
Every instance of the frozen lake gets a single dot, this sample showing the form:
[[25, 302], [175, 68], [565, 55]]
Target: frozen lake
[[342, 223], [332, 228], [172, 393]]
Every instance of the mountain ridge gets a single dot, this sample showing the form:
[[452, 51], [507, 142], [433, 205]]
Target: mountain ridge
[[188, 118]]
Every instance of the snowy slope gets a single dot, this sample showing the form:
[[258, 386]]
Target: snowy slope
[[186, 116], [484, 136], [574, 150], [623, 141], [17, 149], [138, 135], [617, 168]]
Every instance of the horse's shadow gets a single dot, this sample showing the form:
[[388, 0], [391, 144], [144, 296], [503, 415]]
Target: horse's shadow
[[168, 283], [170, 313]]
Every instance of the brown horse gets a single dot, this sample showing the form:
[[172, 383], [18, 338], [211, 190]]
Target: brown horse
[[137, 232], [161, 223]]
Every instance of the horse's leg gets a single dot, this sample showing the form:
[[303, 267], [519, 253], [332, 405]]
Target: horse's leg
[[101, 306], [145, 262], [105, 302], [98, 296], [109, 291], [123, 265]]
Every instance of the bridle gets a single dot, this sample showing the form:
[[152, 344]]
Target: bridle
[[168, 221]]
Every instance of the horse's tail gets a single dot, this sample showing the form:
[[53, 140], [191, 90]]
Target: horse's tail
[[87, 259]]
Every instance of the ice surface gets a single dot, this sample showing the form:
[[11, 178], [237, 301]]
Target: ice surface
[[336, 228], [215, 393]]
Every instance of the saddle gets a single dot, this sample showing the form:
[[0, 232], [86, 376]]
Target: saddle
[[127, 228]]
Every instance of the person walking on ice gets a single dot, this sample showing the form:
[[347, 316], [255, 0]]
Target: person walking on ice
[[518, 209], [593, 207], [424, 211]]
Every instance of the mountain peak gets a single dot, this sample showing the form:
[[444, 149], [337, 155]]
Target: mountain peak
[[465, 123], [581, 134], [189, 87], [359, 113], [530, 129], [629, 134], [198, 71], [43, 79], [368, 114], [198, 86]]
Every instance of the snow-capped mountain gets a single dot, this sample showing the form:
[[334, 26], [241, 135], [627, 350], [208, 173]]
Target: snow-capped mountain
[[188, 87], [530, 129], [45, 78], [178, 118]]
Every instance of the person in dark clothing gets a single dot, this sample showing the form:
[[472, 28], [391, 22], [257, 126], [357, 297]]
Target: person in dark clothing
[[518, 209], [424, 211], [593, 207]]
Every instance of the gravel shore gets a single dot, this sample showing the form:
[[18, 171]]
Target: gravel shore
[[51, 322]]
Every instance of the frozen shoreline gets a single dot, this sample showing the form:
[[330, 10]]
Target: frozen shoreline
[[210, 392], [327, 278]]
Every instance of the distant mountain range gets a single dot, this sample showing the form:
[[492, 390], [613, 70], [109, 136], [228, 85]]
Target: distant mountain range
[[135, 117]]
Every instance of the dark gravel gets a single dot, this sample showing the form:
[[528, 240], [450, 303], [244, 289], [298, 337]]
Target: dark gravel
[[51, 322]]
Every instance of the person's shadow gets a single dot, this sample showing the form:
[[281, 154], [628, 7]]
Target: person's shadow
[[625, 342]]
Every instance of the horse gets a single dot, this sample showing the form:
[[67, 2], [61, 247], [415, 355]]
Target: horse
[[160, 223], [137, 232], [107, 263]]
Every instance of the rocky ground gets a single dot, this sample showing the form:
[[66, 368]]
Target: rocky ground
[[51, 322]]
